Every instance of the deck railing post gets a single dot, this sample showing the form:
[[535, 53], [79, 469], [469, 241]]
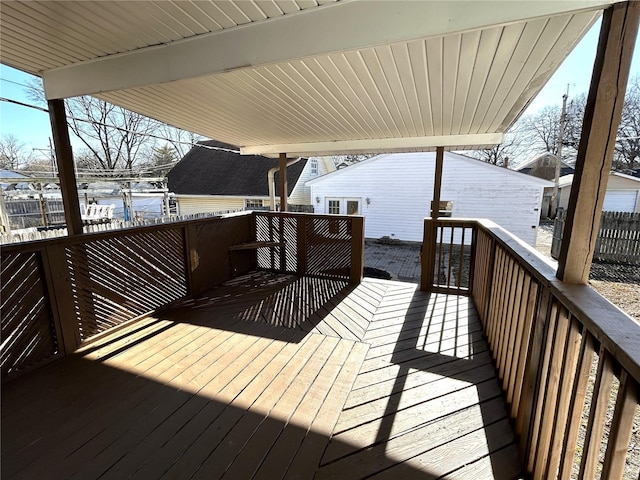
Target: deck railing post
[[188, 263], [427, 256], [61, 298], [357, 250], [301, 243]]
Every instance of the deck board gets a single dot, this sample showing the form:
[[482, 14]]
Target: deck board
[[271, 376]]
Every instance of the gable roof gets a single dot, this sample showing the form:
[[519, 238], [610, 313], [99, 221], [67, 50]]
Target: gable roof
[[529, 163], [448, 157], [210, 171]]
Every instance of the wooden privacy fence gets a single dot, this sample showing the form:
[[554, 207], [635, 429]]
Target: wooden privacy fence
[[61, 293], [618, 237], [552, 342], [25, 213]]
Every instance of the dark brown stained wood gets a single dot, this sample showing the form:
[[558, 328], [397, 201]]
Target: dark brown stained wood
[[283, 182], [600, 126], [66, 166], [211, 388], [357, 250], [30, 333]]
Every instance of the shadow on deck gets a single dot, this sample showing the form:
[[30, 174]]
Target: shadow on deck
[[271, 376]]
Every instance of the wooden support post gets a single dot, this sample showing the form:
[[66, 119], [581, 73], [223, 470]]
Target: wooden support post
[[283, 182], [437, 183], [430, 236], [66, 172], [595, 153]]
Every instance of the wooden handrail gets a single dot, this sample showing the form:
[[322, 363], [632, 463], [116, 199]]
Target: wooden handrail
[[543, 335]]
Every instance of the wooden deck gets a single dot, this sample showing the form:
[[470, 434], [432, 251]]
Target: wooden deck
[[271, 377]]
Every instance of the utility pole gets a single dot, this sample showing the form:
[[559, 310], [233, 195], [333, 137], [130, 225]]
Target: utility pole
[[563, 119]]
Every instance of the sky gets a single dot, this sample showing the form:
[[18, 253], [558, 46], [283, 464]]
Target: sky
[[32, 127]]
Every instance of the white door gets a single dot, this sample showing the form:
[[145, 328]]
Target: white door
[[620, 201]]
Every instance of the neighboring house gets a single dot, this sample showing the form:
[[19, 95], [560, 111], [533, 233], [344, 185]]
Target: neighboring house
[[544, 166], [217, 179], [623, 193], [394, 193]]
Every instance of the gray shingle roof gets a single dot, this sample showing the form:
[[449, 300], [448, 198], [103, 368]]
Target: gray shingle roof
[[203, 171]]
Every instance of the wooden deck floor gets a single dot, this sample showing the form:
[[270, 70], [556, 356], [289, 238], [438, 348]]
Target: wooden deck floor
[[271, 377]]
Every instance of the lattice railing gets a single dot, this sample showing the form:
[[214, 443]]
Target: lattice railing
[[327, 246], [29, 335], [121, 277], [59, 293]]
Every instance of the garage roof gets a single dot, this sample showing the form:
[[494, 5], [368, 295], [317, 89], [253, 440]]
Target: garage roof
[[304, 76]]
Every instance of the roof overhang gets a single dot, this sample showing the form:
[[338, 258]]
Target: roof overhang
[[324, 77]]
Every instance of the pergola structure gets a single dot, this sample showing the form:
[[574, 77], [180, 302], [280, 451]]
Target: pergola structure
[[301, 77]]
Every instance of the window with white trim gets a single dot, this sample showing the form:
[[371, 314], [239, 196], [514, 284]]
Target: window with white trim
[[334, 207], [253, 203], [314, 166]]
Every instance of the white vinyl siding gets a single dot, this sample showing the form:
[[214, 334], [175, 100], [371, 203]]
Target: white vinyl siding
[[191, 205], [399, 191], [620, 201], [301, 193]]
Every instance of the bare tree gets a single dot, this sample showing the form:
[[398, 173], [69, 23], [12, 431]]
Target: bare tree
[[496, 155], [112, 135], [180, 140], [13, 154], [627, 150]]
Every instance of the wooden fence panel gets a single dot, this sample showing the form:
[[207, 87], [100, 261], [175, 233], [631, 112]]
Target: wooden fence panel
[[618, 237]]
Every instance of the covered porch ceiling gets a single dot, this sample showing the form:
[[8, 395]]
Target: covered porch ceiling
[[304, 76]]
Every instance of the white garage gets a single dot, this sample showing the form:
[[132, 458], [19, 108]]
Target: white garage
[[623, 193], [394, 192], [620, 201]]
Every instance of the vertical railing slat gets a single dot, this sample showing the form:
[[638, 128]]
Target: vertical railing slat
[[597, 415], [621, 428]]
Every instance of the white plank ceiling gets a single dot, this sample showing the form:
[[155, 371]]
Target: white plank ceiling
[[304, 76]]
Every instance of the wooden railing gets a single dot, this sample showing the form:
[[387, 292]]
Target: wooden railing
[[61, 293], [552, 343], [449, 268], [329, 246]]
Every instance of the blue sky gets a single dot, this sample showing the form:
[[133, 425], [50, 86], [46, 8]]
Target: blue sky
[[32, 127]]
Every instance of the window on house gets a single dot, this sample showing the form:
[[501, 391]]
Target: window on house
[[314, 166], [334, 207], [253, 203]]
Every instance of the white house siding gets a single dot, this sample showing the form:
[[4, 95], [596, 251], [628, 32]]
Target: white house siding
[[189, 205], [400, 188], [301, 194]]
